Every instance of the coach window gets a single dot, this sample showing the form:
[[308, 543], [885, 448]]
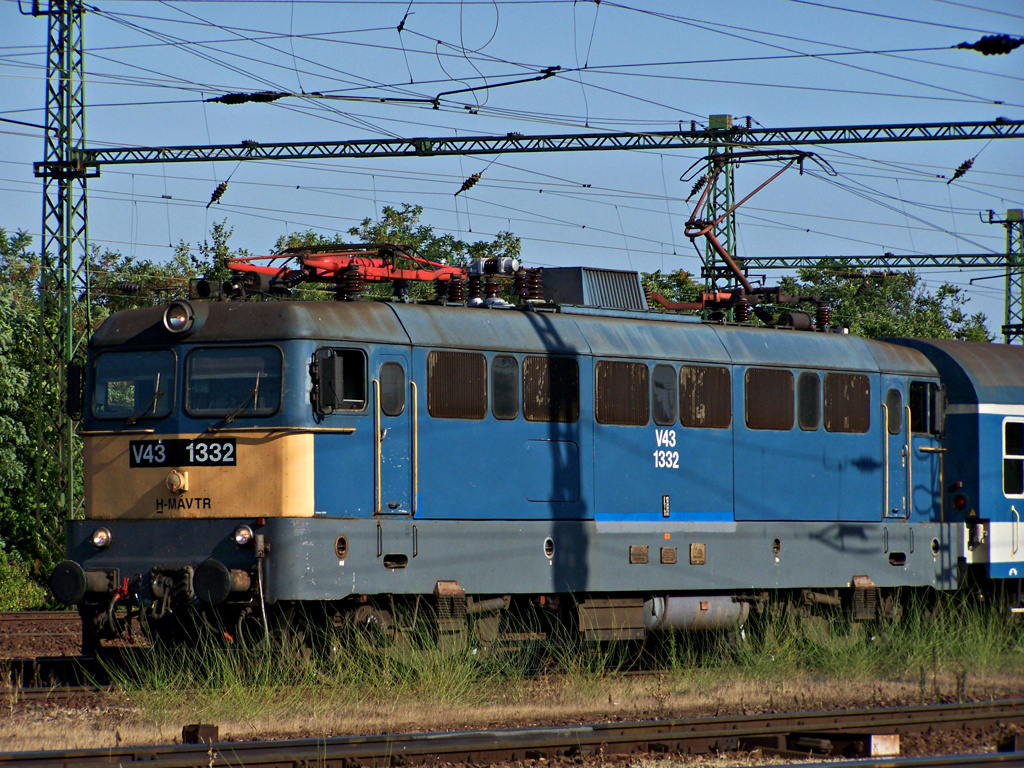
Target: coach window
[[664, 397], [705, 399], [392, 389], [894, 411], [808, 401], [340, 376], [504, 387], [1013, 458], [551, 389], [768, 398], [457, 385], [233, 382], [847, 402], [621, 393], [926, 408]]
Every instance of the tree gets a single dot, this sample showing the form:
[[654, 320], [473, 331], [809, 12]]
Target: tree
[[881, 304], [402, 227], [20, 540], [675, 286]]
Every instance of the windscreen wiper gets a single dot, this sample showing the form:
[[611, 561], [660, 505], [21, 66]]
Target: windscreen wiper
[[151, 405], [254, 396]]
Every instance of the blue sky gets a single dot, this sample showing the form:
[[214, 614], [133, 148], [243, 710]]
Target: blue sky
[[625, 66]]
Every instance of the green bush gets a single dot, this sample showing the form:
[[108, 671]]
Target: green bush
[[18, 591]]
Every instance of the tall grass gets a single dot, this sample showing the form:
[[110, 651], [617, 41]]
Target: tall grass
[[950, 639]]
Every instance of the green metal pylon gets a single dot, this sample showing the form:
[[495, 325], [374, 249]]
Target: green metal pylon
[[1013, 317], [720, 198], [64, 301]]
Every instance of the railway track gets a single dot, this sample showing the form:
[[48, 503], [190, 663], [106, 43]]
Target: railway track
[[38, 633], [803, 734]]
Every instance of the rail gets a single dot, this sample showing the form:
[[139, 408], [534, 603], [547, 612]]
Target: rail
[[711, 734]]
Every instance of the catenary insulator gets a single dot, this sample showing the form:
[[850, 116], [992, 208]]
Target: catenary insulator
[[698, 185], [469, 182], [961, 169], [218, 193]]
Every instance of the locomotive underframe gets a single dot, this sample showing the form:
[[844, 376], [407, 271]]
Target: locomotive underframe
[[716, 563]]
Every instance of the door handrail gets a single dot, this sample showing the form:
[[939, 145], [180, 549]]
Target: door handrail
[[910, 467], [1015, 536], [415, 447], [885, 461], [376, 447]]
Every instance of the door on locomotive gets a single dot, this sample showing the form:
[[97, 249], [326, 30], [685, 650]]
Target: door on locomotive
[[395, 458], [913, 412]]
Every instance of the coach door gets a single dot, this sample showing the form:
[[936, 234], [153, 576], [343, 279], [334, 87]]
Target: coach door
[[926, 403], [394, 457], [896, 456]]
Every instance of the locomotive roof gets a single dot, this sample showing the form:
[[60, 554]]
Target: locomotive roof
[[975, 372], [625, 334]]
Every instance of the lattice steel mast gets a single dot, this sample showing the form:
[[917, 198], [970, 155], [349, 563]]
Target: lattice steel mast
[[1013, 327], [64, 301]]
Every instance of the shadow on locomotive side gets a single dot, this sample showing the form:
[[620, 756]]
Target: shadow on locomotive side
[[396, 468]]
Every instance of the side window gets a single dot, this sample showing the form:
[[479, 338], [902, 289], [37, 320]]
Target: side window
[[504, 387], [894, 410], [808, 401], [768, 398], [705, 397], [621, 393], [1013, 458], [927, 408], [551, 389], [664, 398], [340, 380], [392, 389], [847, 402], [457, 385]]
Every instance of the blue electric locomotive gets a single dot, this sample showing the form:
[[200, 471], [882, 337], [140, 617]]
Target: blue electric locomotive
[[623, 471]]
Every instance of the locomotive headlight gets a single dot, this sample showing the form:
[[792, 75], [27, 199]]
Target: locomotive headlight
[[243, 535], [178, 317], [101, 538]]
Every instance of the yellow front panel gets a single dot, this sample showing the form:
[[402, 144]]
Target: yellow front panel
[[273, 477]]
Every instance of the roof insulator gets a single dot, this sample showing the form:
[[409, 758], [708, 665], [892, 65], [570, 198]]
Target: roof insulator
[[963, 168], [994, 45], [469, 182], [218, 193]]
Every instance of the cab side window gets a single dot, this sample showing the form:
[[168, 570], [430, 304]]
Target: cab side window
[[339, 379]]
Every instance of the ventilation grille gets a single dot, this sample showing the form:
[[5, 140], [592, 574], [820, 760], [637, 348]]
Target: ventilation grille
[[587, 287]]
